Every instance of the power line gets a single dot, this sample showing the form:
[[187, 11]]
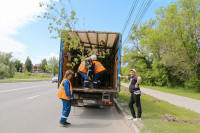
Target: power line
[[136, 18], [134, 4], [139, 16]]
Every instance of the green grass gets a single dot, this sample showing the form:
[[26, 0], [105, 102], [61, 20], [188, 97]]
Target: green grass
[[152, 112], [23, 76], [23, 80], [178, 91]]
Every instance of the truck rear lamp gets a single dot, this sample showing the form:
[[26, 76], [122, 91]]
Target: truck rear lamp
[[110, 102]]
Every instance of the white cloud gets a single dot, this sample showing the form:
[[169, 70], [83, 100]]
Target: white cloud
[[38, 59], [14, 14], [9, 45]]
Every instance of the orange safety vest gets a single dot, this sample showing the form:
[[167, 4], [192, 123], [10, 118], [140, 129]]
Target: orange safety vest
[[98, 67], [61, 90], [83, 68]]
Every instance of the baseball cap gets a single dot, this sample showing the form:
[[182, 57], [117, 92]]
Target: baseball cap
[[133, 70]]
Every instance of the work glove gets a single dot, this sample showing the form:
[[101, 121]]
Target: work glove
[[119, 75]]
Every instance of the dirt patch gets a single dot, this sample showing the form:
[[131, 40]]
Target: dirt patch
[[171, 118], [154, 100]]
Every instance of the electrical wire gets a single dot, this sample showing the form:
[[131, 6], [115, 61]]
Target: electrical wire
[[142, 11], [134, 4]]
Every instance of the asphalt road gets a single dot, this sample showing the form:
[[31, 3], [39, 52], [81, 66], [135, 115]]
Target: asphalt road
[[33, 107]]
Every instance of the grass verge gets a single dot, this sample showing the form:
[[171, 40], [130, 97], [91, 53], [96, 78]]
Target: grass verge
[[24, 80], [23, 76], [178, 91], [152, 111]]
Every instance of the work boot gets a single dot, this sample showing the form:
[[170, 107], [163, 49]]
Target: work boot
[[62, 125], [68, 123]]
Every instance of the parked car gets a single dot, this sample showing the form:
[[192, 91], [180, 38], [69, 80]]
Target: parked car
[[55, 79]]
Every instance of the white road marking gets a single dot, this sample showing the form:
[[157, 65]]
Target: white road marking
[[33, 97], [24, 88]]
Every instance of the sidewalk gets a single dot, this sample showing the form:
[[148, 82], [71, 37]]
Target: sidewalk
[[181, 101]]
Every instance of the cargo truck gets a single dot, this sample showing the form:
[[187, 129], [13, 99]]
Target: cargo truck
[[100, 41]]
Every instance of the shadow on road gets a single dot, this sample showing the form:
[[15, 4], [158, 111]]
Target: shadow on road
[[107, 113], [89, 125]]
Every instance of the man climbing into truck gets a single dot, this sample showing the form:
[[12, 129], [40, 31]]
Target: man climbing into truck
[[98, 71], [93, 68], [85, 69], [134, 89]]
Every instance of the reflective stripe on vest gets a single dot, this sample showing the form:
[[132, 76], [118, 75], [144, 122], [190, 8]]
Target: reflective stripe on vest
[[98, 67], [61, 90], [83, 68]]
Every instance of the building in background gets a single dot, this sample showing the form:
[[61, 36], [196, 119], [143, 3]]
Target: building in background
[[35, 68]]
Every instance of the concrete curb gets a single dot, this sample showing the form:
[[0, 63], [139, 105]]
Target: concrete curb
[[134, 128]]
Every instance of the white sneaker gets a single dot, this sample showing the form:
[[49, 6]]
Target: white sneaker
[[138, 119], [135, 119], [131, 118]]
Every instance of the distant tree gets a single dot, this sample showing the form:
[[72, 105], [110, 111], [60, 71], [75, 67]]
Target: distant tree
[[4, 71], [52, 65], [43, 65], [7, 69], [28, 64], [18, 65]]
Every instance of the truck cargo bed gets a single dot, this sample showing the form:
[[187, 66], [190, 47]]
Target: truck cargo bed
[[99, 42], [101, 90]]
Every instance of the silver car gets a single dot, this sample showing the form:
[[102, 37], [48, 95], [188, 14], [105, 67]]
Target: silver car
[[55, 79]]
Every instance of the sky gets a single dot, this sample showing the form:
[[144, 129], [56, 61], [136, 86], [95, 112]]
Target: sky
[[23, 34]]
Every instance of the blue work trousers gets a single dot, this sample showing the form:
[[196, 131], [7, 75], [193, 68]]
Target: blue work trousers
[[65, 111], [96, 79], [86, 79]]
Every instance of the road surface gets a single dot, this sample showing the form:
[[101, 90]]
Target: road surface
[[33, 107], [181, 101]]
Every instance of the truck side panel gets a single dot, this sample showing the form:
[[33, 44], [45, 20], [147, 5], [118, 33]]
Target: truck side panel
[[119, 62], [60, 63]]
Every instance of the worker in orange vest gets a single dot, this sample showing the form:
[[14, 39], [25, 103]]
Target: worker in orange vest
[[85, 69], [98, 70], [65, 93]]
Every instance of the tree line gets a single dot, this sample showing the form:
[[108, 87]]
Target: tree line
[[10, 65], [166, 50]]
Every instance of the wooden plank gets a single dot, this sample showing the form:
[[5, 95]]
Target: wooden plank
[[106, 41], [111, 39], [97, 47], [89, 40], [83, 37], [100, 32], [93, 37]]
